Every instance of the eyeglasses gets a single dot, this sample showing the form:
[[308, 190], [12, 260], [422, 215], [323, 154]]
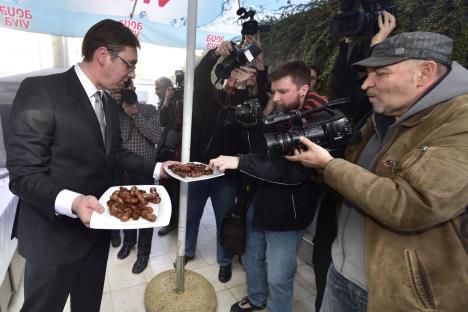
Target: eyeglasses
[[131, 67]]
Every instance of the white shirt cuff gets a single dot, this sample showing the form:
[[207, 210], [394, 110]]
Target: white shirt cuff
[[157, 171], [64, 201]]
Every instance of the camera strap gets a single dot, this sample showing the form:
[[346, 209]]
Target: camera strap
[[227, 103]]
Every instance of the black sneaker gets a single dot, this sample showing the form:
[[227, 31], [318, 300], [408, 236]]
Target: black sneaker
[[245, 306], [225, 273], [140, 265], [166, 229], [186, 259], [124, 251]]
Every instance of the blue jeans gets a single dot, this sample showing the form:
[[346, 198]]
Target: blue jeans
[[279, 249], [342, 295], [222, 192]]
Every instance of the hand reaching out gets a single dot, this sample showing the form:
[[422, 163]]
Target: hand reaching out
[[222, 163]]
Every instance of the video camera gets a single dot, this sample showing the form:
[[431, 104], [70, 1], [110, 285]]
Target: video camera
[[179, 85], [360, 22], [251, 26], [128, 96], [238, 57], [329, 128], [248, 115]]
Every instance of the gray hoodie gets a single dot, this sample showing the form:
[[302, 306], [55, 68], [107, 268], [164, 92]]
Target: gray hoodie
[[348, 248]]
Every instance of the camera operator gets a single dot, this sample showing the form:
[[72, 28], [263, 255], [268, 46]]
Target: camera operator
[[210, 138], [170, 114], [140, 132], [352, 49], [283, 206], [404, 184]]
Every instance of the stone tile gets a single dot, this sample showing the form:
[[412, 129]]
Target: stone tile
[[121, 276], [157, 265], [306, 277], [211, 274], [131, 299], [106, 303], [305, 305], [224, 301], [239, 291], [112, 259]]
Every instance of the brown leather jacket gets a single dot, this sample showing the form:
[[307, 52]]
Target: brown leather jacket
[[413, 201]]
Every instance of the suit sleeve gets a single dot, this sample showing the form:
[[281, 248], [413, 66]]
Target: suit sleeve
[[29, 147]]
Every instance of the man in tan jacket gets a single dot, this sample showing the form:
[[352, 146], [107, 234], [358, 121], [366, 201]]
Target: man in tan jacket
[[399, 245]]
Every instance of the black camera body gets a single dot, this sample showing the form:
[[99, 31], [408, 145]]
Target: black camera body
[[128, 96], [360, 22], [251, 26], [248, 114], [329, 128], [238, 57], [179, 85]]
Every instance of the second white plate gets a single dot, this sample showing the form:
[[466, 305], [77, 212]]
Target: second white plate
[[215, 174]]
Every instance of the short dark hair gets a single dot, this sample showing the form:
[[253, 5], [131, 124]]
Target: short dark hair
[[298, 70], [316, 68], [108, 33]]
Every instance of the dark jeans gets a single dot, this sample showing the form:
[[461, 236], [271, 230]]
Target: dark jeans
[[222, 192], [342, 295]]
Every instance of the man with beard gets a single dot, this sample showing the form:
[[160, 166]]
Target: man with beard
[[283, 205]]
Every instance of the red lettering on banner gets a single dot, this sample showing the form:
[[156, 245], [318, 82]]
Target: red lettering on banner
[[16, 17], [212, 45], [135, 27], [161, 3], [214, 38]]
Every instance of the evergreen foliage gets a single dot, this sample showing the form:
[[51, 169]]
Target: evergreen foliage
[[306, 35]]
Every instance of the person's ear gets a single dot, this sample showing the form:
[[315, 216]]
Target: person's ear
[[428, 72], [303, 91], [100, 55]]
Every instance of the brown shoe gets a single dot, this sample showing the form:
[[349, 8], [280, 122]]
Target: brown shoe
[[166, 229]]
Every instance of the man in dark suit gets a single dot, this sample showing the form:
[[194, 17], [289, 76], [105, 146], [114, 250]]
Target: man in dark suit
[[63, 149]]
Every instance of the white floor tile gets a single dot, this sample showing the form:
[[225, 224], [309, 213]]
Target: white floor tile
[[224, 301], [239, 292], [211, 274], [130, 299], [106, 303], [121, 276], [157, 265]]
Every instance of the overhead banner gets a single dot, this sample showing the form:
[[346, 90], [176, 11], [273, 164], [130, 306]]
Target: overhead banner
[[162, 22]]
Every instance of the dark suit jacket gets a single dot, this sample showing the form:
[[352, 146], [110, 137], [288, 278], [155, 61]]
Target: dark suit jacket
[[55, 143]]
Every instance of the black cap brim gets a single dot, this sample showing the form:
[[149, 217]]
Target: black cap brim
[[378, 61]]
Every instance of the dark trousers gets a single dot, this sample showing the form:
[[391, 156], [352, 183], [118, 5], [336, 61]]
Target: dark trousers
[[46, 287], [325, 234], [145, 237]]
